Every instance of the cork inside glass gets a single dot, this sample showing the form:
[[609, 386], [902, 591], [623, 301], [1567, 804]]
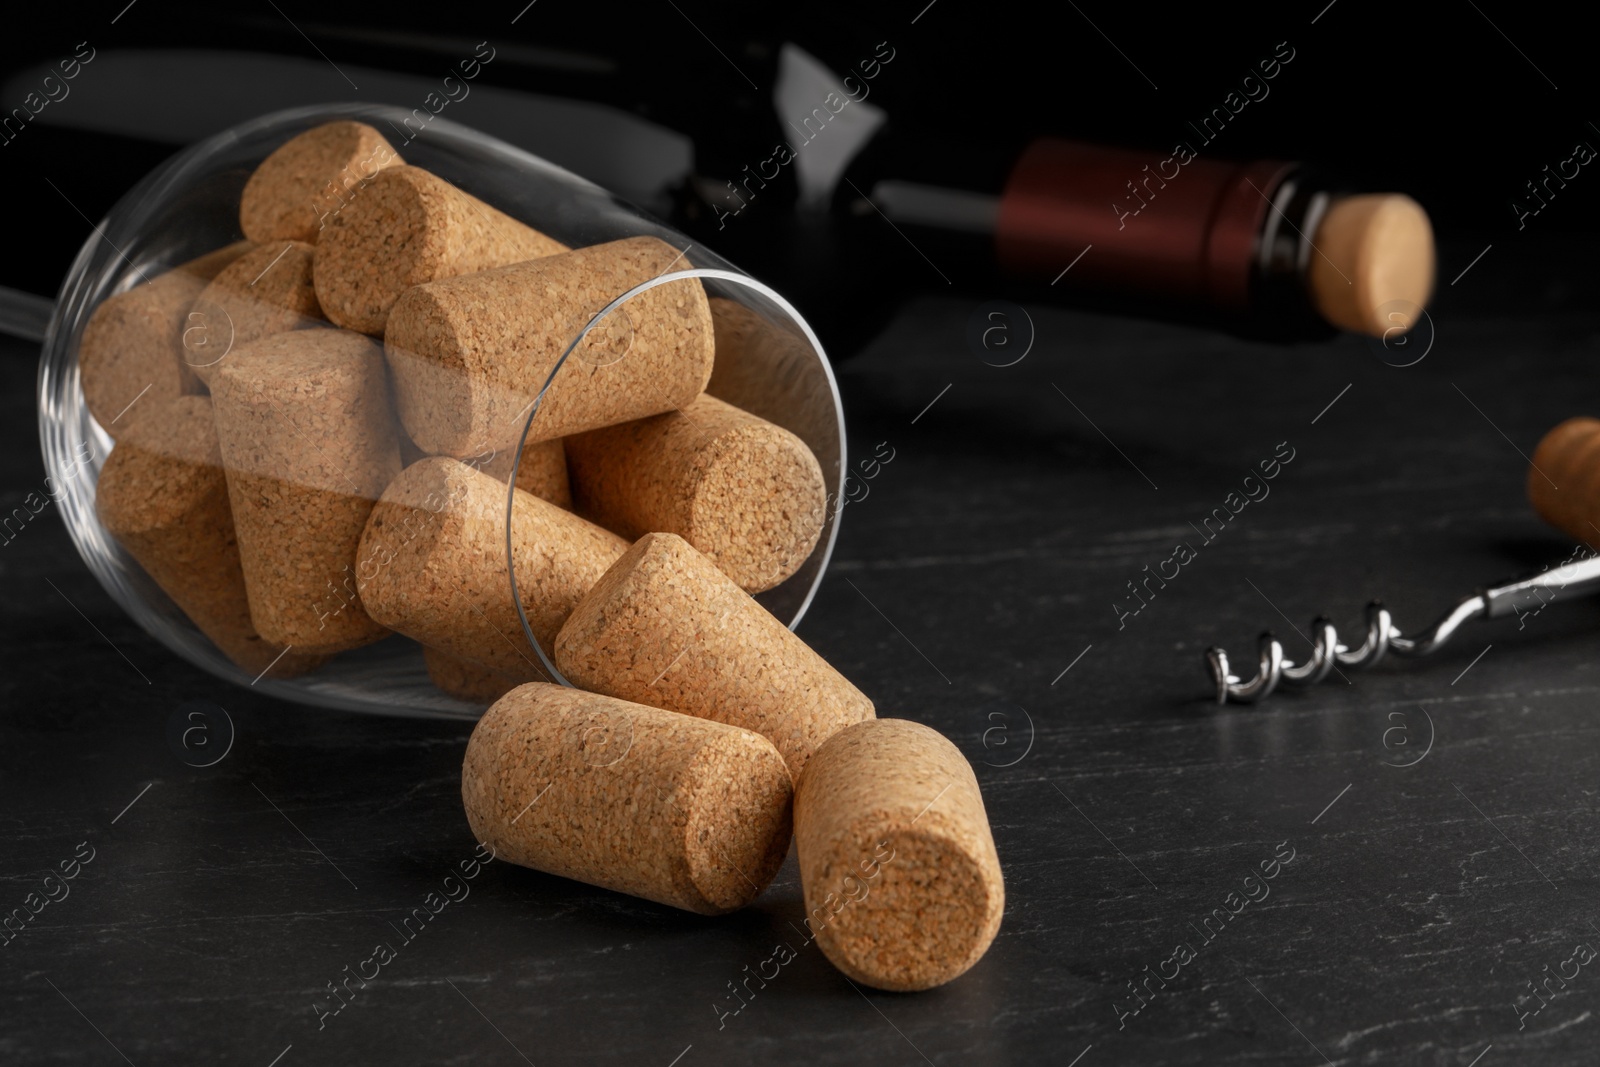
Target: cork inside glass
[[189, 206]]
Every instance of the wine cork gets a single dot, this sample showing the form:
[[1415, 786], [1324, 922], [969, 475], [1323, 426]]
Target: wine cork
[[747, 494], [409, 452], [163, 496], [897, 863], [309, 178], [1371, 270], [131, 353], [265, 291], [1564, 479], [308, 441], [665, 627], [681, 811], [470, 354], [771, 370], [542, 471], [466, 680], [409, 227], [432, 564]]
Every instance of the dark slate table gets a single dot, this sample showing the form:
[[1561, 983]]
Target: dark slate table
[[1430, 826]]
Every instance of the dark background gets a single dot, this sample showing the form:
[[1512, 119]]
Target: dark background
[[1434, 101], [1425, 892]]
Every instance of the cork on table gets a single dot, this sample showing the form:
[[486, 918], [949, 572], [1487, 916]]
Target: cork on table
[[671, 808]]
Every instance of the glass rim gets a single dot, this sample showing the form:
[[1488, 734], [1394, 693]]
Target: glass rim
[[101, 268], [830, 532]]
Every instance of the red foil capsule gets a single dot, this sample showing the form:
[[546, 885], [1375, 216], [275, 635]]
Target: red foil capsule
[[1189, 233]]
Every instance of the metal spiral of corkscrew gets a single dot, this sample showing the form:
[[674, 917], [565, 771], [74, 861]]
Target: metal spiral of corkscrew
[[1566, 582]]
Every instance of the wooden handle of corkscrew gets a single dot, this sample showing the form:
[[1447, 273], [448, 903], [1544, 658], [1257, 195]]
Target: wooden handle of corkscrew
[[1564, 479]]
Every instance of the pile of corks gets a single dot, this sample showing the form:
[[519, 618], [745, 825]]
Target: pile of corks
[[315, 428]]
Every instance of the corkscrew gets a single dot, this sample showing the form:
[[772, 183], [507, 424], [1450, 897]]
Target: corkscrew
[[1568, 455], [1525, 595]]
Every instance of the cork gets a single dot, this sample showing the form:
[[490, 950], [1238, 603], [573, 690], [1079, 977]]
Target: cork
[[665, 627], [470, 354], [308, 442], [466, 680], [1564, 479], [309, 178], [898, 868], [542, 471], [163, 496], [265, 291], [409, 227], [409, 452], [770, 370], [1372, 267], [432, 564], [678, 810], [131, 353], [747, 494]]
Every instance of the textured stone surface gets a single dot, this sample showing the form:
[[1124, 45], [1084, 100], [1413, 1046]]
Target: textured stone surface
[[1125, 806]]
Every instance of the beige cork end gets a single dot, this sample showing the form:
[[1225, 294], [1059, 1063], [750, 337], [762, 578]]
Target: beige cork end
[[542, 470], [409, 227], [265, 291], [678, 810], [132, 351], [771, 371], [432, 564], [470, 354], [308, 442], [1371, 270], [466, 680], [746, 493], [163, 496], [309, 178], [1564, 479], [665, 627], [897, 863]]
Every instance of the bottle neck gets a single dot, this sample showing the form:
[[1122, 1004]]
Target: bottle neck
[[1285, 246], [1232, 241]]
